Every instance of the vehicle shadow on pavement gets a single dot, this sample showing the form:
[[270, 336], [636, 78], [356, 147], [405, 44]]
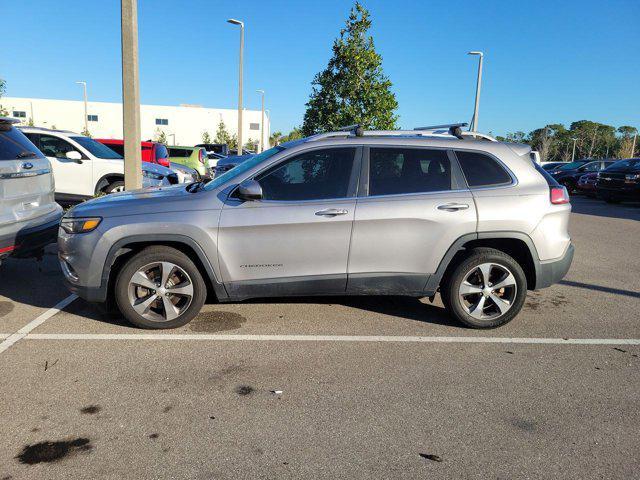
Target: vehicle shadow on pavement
[[600, 288], [34, 283], [407, 308], [599, 208]]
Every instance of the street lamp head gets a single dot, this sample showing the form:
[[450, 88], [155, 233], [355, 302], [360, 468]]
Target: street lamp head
[[235, 22], [81, 83], [475, 53], [260, 91]]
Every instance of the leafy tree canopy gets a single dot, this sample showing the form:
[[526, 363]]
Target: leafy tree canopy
[[353, 88]]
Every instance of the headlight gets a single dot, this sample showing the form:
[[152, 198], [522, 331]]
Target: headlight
[[80, 225], [152, 175], [632, 176]]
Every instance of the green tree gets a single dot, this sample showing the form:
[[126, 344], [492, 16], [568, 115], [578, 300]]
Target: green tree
[[251, 145], [353, 88], [160, 136], [294, 134], [222, 135], [275, 139], [232, 142], [3, 88], [206, 138]]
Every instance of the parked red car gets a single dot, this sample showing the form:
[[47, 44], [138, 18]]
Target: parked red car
[[587, 184], [152, 152]]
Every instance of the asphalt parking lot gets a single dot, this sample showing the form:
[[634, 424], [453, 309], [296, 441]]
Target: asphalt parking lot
[[380, 387]]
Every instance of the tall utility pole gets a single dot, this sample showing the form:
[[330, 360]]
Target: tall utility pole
[[131, 95], [86, 118], [241, 24], [573, 152], [261, 92], [633, 145], [474, 123]]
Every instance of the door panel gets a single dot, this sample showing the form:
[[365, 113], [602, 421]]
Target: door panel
[[71, 177], [416, 211], [295, 241]]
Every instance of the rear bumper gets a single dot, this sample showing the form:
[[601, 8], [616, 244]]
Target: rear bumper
[[30, 241], [553, 271]]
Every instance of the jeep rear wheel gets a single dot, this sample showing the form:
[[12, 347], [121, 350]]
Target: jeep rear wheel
[[160, 287], [486, 289]]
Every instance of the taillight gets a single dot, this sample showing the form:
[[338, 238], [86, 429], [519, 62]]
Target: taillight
[[164, 162], [559, 195], [202, 156]]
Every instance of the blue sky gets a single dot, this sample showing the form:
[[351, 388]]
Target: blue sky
[[546, 61]]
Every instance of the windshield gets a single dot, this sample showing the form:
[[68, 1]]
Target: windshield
[[243, 167], [630, 163], [571, 166], [95, 148]]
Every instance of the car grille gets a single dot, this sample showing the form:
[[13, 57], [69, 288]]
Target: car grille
[[173, 178]]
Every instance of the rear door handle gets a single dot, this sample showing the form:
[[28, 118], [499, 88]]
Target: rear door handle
[[453, 207], [332, 212]]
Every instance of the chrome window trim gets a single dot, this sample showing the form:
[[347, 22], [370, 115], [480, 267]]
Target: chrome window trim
[[415, 194]]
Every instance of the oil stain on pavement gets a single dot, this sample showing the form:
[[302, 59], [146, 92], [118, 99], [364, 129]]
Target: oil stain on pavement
[[48, 452], [211, 322], [90, 410]]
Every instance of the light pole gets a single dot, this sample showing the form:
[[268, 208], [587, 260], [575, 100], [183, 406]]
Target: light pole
[[474, 123], [238, 22], [130, 95], [261, 92], [573, 152], [633, 146], [174, 137], [86, 120]]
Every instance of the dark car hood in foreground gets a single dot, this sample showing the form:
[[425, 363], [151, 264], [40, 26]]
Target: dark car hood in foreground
[[147, 200]]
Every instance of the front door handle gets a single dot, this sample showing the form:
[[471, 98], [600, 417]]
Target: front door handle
[[453, 207], [332, 212]]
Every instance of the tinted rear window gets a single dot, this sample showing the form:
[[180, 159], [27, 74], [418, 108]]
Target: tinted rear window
[[481, 170], [179, 152], [15, 146]]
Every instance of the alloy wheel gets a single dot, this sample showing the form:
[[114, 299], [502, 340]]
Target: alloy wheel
[[487, 291], [160, 291]]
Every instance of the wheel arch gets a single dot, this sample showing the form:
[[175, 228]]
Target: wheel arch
[[126, 247], [515, 244], [106, 180]]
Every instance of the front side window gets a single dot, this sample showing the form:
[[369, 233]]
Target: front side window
[[481, 170], [55, 147], [394, 171], [315, 175]]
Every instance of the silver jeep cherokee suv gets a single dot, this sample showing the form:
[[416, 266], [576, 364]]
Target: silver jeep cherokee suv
[[345, 213]]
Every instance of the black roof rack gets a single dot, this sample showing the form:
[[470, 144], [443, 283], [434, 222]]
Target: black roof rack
[[356, 129], [454, 129]]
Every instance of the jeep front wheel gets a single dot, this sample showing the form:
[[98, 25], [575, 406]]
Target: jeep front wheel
[[487, 289], [160, 287]]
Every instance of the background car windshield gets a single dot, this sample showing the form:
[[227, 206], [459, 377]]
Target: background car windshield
[[571, 166], [243, 167], [96, 149], [631, 163], [14, 145]]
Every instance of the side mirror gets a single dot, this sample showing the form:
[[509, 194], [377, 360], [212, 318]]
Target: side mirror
[[74, 155], [249, 190]]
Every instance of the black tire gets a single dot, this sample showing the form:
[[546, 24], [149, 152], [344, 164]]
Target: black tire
[[451, 283], [113, 186], [148, 256]]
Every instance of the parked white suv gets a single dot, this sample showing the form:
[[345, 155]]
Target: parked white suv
[[29, 216], [83, 167]]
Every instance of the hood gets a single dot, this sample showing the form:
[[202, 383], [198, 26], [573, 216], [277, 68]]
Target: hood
[[134, 202], [155, 168], [234, 159]]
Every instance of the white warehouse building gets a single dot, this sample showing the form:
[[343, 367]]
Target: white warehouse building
[[182, 125]]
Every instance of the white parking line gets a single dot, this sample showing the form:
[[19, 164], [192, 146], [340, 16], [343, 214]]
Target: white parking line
[[329, 338], [24, 331]]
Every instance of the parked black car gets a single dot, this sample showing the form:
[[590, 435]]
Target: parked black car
[[620, 181], [569, 174]]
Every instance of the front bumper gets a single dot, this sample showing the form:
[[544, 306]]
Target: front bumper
[[630, 192], [29, 242], [551, 272]]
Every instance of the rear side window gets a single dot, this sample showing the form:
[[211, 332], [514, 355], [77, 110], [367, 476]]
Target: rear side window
[[481, 170], [15, 146], [119, 149], [395, 171], [319, 174], [161, 152]]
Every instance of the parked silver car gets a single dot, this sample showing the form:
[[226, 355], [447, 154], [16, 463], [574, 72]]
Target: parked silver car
[[342, 213], [29, 216]]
